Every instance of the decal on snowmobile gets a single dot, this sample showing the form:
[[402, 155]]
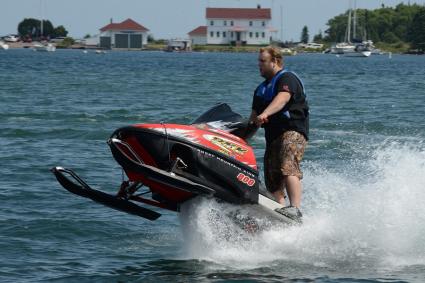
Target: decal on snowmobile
[[246, 180], [226, 145], [207, 154]]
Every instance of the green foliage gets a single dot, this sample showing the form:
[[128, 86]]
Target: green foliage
[[31, 28], [387, 24], [65, 43], [318, 38], [60, 31], [87, 36], [304, 35], [417, 30]]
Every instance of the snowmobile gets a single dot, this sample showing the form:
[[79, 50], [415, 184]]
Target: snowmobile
[[170, 164]]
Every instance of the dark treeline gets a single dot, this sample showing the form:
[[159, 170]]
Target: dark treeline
[[31, 28], [404, 23]]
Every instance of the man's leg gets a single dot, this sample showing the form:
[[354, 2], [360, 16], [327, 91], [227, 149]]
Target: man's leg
[[280, 196], [294, 190]]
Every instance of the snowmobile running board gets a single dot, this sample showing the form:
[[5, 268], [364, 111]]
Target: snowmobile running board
[[84, 190]]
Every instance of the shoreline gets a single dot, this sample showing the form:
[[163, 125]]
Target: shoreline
[[196, 48]]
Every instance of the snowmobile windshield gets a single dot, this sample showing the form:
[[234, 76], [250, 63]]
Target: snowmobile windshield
[[220, 112], [222, 117]]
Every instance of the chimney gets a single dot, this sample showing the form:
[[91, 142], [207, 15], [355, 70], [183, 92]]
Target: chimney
[[111, 20], [258, 6]]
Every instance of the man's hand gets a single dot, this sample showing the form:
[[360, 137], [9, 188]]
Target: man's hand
[[261, 119]]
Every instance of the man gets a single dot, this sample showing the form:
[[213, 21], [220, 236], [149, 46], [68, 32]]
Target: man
[[279, 105]]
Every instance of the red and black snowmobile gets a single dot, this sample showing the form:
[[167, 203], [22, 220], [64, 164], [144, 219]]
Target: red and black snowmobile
[[169, 164]]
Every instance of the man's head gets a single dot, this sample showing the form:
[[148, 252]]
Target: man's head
[[270, 61]]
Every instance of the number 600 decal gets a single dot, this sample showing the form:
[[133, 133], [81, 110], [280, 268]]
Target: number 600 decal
[[245, 179]]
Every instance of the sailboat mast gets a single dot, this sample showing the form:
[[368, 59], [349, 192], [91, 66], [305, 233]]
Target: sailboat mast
[[349, 24], [355, 19], [41, 13]]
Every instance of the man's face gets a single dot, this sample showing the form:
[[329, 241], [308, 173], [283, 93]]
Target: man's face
[[265, 65]]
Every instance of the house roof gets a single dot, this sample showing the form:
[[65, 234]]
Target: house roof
[[201, 30], [128, 24], [238, 13]]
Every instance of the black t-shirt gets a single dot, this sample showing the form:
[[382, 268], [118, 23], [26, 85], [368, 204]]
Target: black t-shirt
[[278, 125]]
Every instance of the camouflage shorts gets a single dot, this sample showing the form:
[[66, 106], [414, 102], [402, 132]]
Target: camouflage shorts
[[282, 158]]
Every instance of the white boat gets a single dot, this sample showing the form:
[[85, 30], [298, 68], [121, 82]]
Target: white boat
[[357, 53], [353, 49], [44, 47], [288, 52], [3, 45], [342, 47]]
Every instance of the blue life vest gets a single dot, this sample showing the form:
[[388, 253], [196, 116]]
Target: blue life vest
[[267, 91], [294, 115]]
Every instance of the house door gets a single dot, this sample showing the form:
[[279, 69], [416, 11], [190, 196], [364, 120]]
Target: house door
[[238, 36]]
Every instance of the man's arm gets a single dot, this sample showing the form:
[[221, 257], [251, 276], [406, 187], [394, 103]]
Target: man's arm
[[275, 106], [251, 128]]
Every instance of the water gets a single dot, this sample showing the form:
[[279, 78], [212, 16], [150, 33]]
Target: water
[[363, 185]]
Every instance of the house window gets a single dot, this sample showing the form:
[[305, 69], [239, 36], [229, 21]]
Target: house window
[[211, 23], [218, 34], [231, 23], [231, 34], [211, 34], [224, 34], [263, 23], [256, 34], [250, 34], [263, 35], [250, 23], [225, 23]]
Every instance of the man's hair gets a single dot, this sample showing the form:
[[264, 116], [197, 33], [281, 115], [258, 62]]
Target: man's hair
[[274, 53]]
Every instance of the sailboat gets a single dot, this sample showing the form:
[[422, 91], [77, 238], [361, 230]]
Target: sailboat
[[38, 46], [353, 49], [44, 47]]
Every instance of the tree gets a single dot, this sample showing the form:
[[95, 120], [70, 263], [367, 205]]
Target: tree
[[304, 35], [59, 31], [417, 30], [32, 28], [318, 37], [386, 24], [337, 28]]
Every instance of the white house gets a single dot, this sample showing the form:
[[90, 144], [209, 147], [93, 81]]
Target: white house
[[126, 35], [239, 26], [198, 35]]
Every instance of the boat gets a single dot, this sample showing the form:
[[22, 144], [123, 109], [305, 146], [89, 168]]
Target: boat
[[361, 49], [288, 52], [352, 47], [44, 47], [178, 45], [3, 45], [168, 165]]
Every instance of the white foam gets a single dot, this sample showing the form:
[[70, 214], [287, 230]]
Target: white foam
[[350, 218]]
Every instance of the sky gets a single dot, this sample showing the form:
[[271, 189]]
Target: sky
[[175, 18]]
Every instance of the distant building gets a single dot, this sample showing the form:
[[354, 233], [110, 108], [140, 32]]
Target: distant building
[[239, 26], [126, 35], [92, 41], [198, 35]]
